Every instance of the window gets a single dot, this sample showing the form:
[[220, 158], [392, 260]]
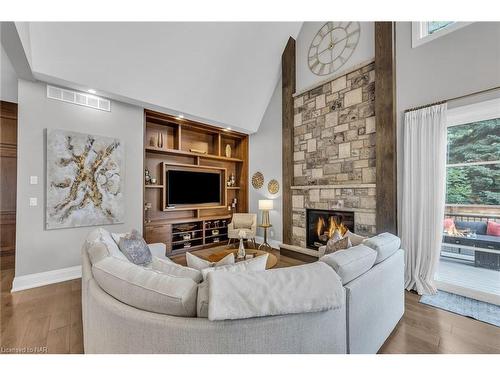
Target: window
[[423, 32], [473, 160]]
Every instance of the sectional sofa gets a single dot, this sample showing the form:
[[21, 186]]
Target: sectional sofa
[[348, 302]]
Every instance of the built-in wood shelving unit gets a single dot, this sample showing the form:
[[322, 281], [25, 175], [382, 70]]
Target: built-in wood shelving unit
[[170, 142]]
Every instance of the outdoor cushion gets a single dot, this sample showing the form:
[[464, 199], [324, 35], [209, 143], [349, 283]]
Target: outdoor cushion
[[493, 229], [478, 226], [351, 263], [385, 244]]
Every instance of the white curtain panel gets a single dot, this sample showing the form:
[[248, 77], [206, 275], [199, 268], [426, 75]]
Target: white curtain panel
[[423, 195]]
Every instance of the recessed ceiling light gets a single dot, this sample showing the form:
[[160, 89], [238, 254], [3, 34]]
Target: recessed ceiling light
[[227, 129], [180, 116], [92, 91]]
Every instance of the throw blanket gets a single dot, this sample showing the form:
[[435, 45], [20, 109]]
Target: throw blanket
[[293, 290]]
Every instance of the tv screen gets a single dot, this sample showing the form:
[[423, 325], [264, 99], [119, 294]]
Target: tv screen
[[186, 187]]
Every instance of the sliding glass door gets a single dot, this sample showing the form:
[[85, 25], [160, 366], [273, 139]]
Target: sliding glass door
[[470, 254]]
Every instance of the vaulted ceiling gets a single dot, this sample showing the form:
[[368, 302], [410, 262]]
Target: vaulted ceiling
[[222, 72]]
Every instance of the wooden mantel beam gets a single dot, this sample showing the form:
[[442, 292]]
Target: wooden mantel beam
[[385, 117], [288, 89]]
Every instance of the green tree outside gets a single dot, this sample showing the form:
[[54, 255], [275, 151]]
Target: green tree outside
[[474, 184]]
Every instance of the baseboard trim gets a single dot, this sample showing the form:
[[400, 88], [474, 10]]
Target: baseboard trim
[[35, 280]]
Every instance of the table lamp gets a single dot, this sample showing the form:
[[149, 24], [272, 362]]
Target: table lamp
[[265, 205]]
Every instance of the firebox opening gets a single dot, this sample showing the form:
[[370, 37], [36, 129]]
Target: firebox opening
[[321, 225]]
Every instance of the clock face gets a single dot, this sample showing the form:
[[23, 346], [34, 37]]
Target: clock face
[[332, 46]]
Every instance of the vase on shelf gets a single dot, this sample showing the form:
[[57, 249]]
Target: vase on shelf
[[228, 151], [160, 140]]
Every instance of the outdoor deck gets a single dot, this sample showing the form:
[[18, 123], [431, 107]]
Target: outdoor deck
[[463, 274]]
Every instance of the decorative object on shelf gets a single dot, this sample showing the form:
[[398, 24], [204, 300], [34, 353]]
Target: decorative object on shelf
[[147, 207], [228, 151], [265, 205], [187, 244], [84, 180], [224, 223], [234, 203], [241, 249], [231, 182], [153, 181], [332, 46], [216, 240], [215, 232], [273, 186], [208, 225], [186, 237], [160, 140], [257, 180], [185, 227], [153, 141], [216, 223], [196, 151], [147, 177]]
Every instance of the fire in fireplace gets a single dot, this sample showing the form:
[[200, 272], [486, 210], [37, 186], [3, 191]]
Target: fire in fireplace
[[321, 224]]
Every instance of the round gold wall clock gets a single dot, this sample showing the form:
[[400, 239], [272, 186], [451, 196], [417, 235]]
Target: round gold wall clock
[[332, 46], [273, 186], [257, 180]]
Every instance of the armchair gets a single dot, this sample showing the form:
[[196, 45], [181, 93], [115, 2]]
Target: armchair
[[242, 222]]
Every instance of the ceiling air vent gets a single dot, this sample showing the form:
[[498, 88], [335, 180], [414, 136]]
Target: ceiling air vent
[[78, 98]]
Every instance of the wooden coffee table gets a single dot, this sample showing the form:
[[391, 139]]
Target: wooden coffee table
[[271, 259]]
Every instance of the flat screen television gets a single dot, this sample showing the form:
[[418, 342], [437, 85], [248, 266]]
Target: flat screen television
[[188, 187]]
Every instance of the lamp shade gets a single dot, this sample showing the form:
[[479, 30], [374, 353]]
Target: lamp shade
[[265, 204]]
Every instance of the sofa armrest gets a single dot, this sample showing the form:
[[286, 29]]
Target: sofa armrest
[[158, 250]]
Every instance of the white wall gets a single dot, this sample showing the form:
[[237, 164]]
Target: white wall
[[8, 79], [459, 63], [265, 156], [363, 52], [39, 250]]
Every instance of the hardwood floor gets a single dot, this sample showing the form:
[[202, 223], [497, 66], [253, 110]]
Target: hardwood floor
[[48, 320]]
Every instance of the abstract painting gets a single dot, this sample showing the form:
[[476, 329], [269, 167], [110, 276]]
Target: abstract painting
[[84, 180]]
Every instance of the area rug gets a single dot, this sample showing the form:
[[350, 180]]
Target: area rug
[[485, 312]]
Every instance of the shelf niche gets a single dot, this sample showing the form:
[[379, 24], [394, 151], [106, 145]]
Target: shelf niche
[[194, 145]]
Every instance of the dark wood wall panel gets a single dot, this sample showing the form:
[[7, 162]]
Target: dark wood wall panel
[[288, 89], [385, 117], [8, 168]]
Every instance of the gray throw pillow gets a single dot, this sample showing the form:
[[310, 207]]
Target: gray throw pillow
[[135, 248]]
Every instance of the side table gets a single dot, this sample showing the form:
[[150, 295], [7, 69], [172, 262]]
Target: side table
[[265, 243]]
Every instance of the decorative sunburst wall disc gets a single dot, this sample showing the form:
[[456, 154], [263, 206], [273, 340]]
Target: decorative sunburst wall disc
[[273, 186], [257, 180]]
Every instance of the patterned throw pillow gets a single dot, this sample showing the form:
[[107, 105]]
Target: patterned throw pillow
[[333, 246], [135, 248]]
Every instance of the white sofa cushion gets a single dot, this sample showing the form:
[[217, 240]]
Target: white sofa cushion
[[352, 262], [385, 244], [202, 300], [99, 244], [146, 289], [254, 264], [197, 263], [300, 289], [166, 266]]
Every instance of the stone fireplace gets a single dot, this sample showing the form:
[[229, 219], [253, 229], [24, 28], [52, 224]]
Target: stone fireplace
[[321, 225], [334, 155]]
